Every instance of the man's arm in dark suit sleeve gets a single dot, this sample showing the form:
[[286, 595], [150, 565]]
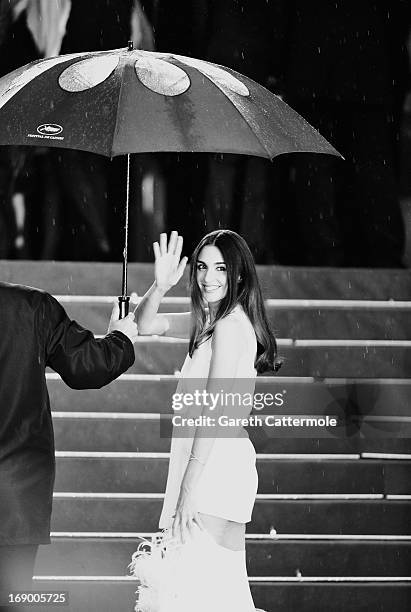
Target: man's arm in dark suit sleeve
[[82, 361]]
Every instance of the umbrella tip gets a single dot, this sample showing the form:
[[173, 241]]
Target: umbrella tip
[[130, 45]]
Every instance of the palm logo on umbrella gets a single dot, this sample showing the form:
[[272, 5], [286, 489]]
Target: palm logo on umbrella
[[130, 101]]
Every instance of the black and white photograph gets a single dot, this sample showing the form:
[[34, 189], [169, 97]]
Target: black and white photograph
[[205, 305]]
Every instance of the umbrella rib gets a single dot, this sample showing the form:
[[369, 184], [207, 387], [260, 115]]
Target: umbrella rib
[[242, 116], [262, 144], [270, 154], [227, 96], [115, 130], [254, 134]]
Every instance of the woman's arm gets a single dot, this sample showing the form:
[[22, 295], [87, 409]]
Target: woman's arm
[[227, 347], [168, 269]]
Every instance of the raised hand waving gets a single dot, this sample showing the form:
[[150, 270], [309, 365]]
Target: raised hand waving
[[168, 268]]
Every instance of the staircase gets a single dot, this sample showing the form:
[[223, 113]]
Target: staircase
[[331, 527]]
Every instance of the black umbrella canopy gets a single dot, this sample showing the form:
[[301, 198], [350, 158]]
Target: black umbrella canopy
[[130, 101]]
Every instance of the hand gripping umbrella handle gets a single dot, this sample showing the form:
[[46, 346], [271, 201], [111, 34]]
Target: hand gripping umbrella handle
[[123, 304]]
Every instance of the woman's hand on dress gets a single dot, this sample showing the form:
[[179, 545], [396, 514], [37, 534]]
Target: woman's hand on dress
[[168, 269], [186, 517]]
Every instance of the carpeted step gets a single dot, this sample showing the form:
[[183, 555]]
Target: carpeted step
[[353, 444], [106, 512], [318, 358], [265, 557], [148, 475], [282, 476], [93, 278], [147, 433], [288, 320], [105, 595], [134, 393]]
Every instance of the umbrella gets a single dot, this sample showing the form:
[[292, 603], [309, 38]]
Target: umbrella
[[131, 101]]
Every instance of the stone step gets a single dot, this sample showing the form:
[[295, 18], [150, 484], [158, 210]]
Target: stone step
[[148, 475], [321, 358], [93, 278], [105, 595], [265, 557], [148, 434], [142, 393], [130, 513], [289, 320]]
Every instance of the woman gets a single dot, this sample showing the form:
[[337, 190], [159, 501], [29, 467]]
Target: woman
[[212, 478]]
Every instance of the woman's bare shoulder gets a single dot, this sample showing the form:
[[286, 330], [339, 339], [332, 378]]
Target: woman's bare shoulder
[[229, 328]]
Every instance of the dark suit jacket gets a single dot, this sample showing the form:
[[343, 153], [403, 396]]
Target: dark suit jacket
[[35, 332]]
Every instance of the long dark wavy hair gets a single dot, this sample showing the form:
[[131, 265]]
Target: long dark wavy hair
[[243, 288]]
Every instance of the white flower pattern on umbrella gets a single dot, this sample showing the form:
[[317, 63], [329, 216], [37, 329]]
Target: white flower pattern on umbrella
[[88, 73], [157, 72], [161, 76]]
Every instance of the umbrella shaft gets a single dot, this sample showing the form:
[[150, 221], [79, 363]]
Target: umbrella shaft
[[125, 251]]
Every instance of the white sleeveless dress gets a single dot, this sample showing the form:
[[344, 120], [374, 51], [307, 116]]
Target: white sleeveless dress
[[206, 576]]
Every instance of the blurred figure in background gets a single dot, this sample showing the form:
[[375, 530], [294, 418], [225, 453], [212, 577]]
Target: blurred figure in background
[[87, 179], [236, 194], [17, 48], [345, 69], [61, 210], [182, 28], [207, 191]]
